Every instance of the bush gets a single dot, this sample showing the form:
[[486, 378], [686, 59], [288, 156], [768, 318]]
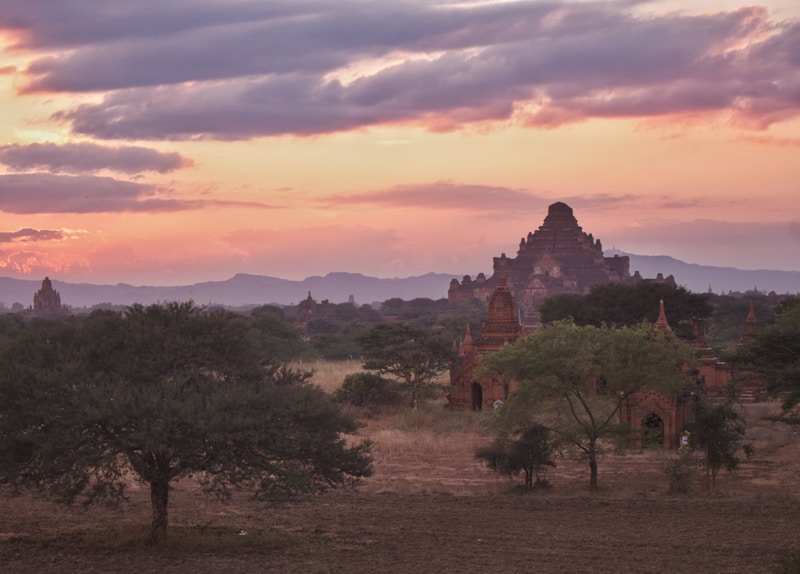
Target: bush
[[368, 390], [680, 472], [529, 451]]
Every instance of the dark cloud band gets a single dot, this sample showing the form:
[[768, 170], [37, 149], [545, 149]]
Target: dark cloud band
[[259, 69]]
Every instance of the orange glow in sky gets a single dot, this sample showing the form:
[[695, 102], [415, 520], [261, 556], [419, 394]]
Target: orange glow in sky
[[294, 138]]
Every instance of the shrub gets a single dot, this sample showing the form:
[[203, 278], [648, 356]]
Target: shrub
[[529, 451], [368, 390], [680, 471]]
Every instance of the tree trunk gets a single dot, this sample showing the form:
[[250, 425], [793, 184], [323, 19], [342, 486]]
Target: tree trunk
[[592, 466], [414, 397], [159, 497]]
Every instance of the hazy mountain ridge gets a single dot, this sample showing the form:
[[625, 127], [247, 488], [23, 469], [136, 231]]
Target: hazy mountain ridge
[[244, 289], [241, 289], [699, 278]]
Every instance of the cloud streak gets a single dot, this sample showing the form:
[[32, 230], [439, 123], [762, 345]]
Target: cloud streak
[[249, 70], [28, 234], [26, 193], [89, 157], [46, 193]]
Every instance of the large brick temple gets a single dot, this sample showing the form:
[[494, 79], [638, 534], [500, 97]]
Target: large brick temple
[[559, 257]]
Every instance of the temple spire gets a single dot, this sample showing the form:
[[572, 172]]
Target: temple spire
[[662, 324], [750, 324]]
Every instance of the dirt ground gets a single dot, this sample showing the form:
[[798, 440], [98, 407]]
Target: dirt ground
[[438, 510]]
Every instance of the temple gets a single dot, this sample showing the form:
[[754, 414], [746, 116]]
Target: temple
[[47, 301], [468, 391], [558, 258], [653, 418]]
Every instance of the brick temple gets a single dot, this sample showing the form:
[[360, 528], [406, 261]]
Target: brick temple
[[559, 257], [502, 327], [653, 418]]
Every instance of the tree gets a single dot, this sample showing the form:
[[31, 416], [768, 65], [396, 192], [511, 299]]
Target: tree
[[628, 305], [573, 380], [720, 430], [161, 393], [281, 340], [413, 354], [773, 354], [368, 390], [529, 450]]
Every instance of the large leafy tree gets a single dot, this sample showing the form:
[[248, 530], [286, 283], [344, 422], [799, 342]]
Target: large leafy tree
[[413, 354], [575, 379], [161, 393], [773, 354]]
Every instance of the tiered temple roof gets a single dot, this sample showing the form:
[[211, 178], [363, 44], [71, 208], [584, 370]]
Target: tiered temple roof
[[558, 258]]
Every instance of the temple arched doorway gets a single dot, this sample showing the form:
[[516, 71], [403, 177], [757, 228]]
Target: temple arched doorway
[[477, 397], [652, 431]]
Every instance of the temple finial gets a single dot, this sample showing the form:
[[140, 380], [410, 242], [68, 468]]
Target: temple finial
[[661, 323]]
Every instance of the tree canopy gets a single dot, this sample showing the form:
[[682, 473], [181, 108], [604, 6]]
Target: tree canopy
[[720, 430], [773, 354], [160, 393], [415, 355], [574, 379], [628, 305]]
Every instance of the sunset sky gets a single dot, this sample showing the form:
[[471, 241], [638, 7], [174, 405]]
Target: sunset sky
[[177, 141]]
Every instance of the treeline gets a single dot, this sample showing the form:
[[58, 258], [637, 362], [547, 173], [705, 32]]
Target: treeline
[[331, 331], [325, 330], [723, 316]]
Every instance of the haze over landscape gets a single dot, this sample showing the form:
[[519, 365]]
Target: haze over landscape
[[171, 143]]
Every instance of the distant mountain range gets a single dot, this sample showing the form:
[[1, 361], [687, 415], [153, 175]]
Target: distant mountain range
[[243, 289]]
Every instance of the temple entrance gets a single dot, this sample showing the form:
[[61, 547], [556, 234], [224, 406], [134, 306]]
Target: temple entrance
[[477, 397], [652, 431]]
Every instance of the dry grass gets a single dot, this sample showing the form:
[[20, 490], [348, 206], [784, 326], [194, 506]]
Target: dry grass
[[328, 375]]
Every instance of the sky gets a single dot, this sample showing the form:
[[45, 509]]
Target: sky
[[178, 141]]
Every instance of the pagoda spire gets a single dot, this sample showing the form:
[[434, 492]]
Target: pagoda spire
[[750, 324], [662, 324]]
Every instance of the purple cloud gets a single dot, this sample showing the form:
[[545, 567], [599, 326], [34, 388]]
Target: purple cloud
[[481, 200], [45, 193], [445, 195], [88, 157], [254, 69]]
